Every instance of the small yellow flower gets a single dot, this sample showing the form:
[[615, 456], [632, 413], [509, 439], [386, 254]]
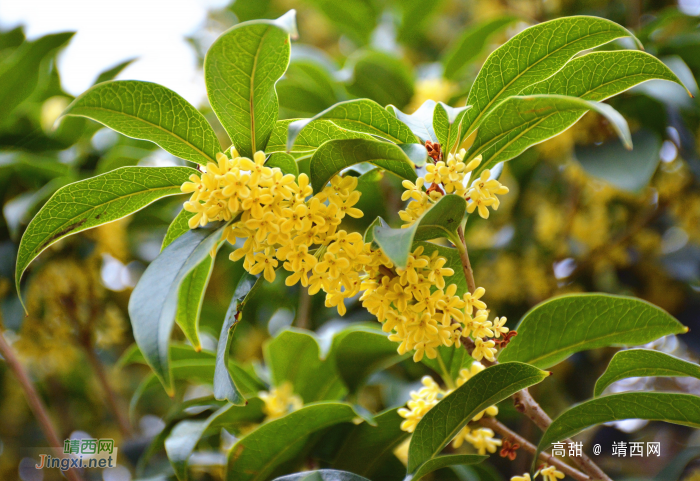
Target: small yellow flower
[[484, 349], [551, 474], [472, 300], [524, 477], [280, 401]]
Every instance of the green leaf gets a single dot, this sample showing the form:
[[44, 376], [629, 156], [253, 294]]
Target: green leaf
[[449, 362], [366, 448], [442, 423], [519, 122], [96, 201], [177, 227], [307, 88], [379, 76], [369, 232], [190, 299], [178, 352], [683, 409], [363, 115], [254, 457], [310, 138], [355, 18], [420, 122], [148, 111], [629, 170], [154, 301], [336, 155], [600, 75], [643, 363], [531, 56], [224, 385], [111, 73], [284, 161], [674, 469], [445, 461], [555, 329], [322, 475], [295, 356], [19, 73], [358, 351], [184, 437], [471, 44], [240, 71], [442, 220], [447, 122]]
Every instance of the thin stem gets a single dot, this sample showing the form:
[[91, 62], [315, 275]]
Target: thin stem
[[503, 430], [111, 396], [304, 308], [464, 257], [446, 375], [35, 403]]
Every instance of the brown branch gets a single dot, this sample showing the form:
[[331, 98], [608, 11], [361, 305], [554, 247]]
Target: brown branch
[[35, 403], [464, 257], [304, 308], [506, 433]]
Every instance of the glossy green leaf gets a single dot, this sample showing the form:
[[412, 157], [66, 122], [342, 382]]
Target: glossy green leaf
[[629, 170], [240, 71], [191, 298], [531, 56], [363, 115], [307, 88], [442, 220], [96, 201], [284, 162], [148, 111], [519, 122], [177, 227], [600, 75], [254, 457], [322, 475], [295, 356], [19, 72], [355, 18], [447, 122], [681, 409], [643, 363], [442, 423], [153, 303], [111, 73], [369, 232], [445, 461], [184, 437], [471, 44], [310, 138], [336, 155], [224, 385], [358, 351], [379, 76], [367, 447], [449, 362], [178, 352], [555, 329], [420, 122]]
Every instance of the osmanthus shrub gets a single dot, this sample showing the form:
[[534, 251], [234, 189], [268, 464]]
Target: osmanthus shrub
[[280, 194]]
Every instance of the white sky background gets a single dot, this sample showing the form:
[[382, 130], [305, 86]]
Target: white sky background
[[109, 32]]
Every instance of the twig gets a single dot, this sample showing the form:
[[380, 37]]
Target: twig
[[524, 402], [111, 396], [35, 403], [304, 308], [503, 430]]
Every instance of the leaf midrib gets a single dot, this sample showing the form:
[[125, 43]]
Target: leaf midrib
[[485, 109], [195, 148]]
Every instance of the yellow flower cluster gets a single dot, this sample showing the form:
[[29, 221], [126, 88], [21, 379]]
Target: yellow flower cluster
[[448, 177], [430, 394], [549, 473], [280, 401]]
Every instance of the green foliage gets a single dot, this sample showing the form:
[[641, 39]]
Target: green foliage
[[256, 455], [335, 155], [310, 138], [448, 363], [177, 227], [447, 122], [284, 162], [153, 304], [96, 201], [440, 425], [190, 299], [240, 71], [560, 327], [420, 122], [442, 220], [439, 462], [149, 111], [322, 475], [643, 363], [681, 409], [380, 77]]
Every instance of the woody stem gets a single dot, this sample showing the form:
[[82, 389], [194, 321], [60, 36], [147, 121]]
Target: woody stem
[[35, 402], [524, 402], [506, 433]]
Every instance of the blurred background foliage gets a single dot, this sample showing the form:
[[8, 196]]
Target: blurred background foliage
[[582, 215]]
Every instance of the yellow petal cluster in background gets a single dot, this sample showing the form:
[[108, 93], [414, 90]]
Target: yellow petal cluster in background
[[279, 401]]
